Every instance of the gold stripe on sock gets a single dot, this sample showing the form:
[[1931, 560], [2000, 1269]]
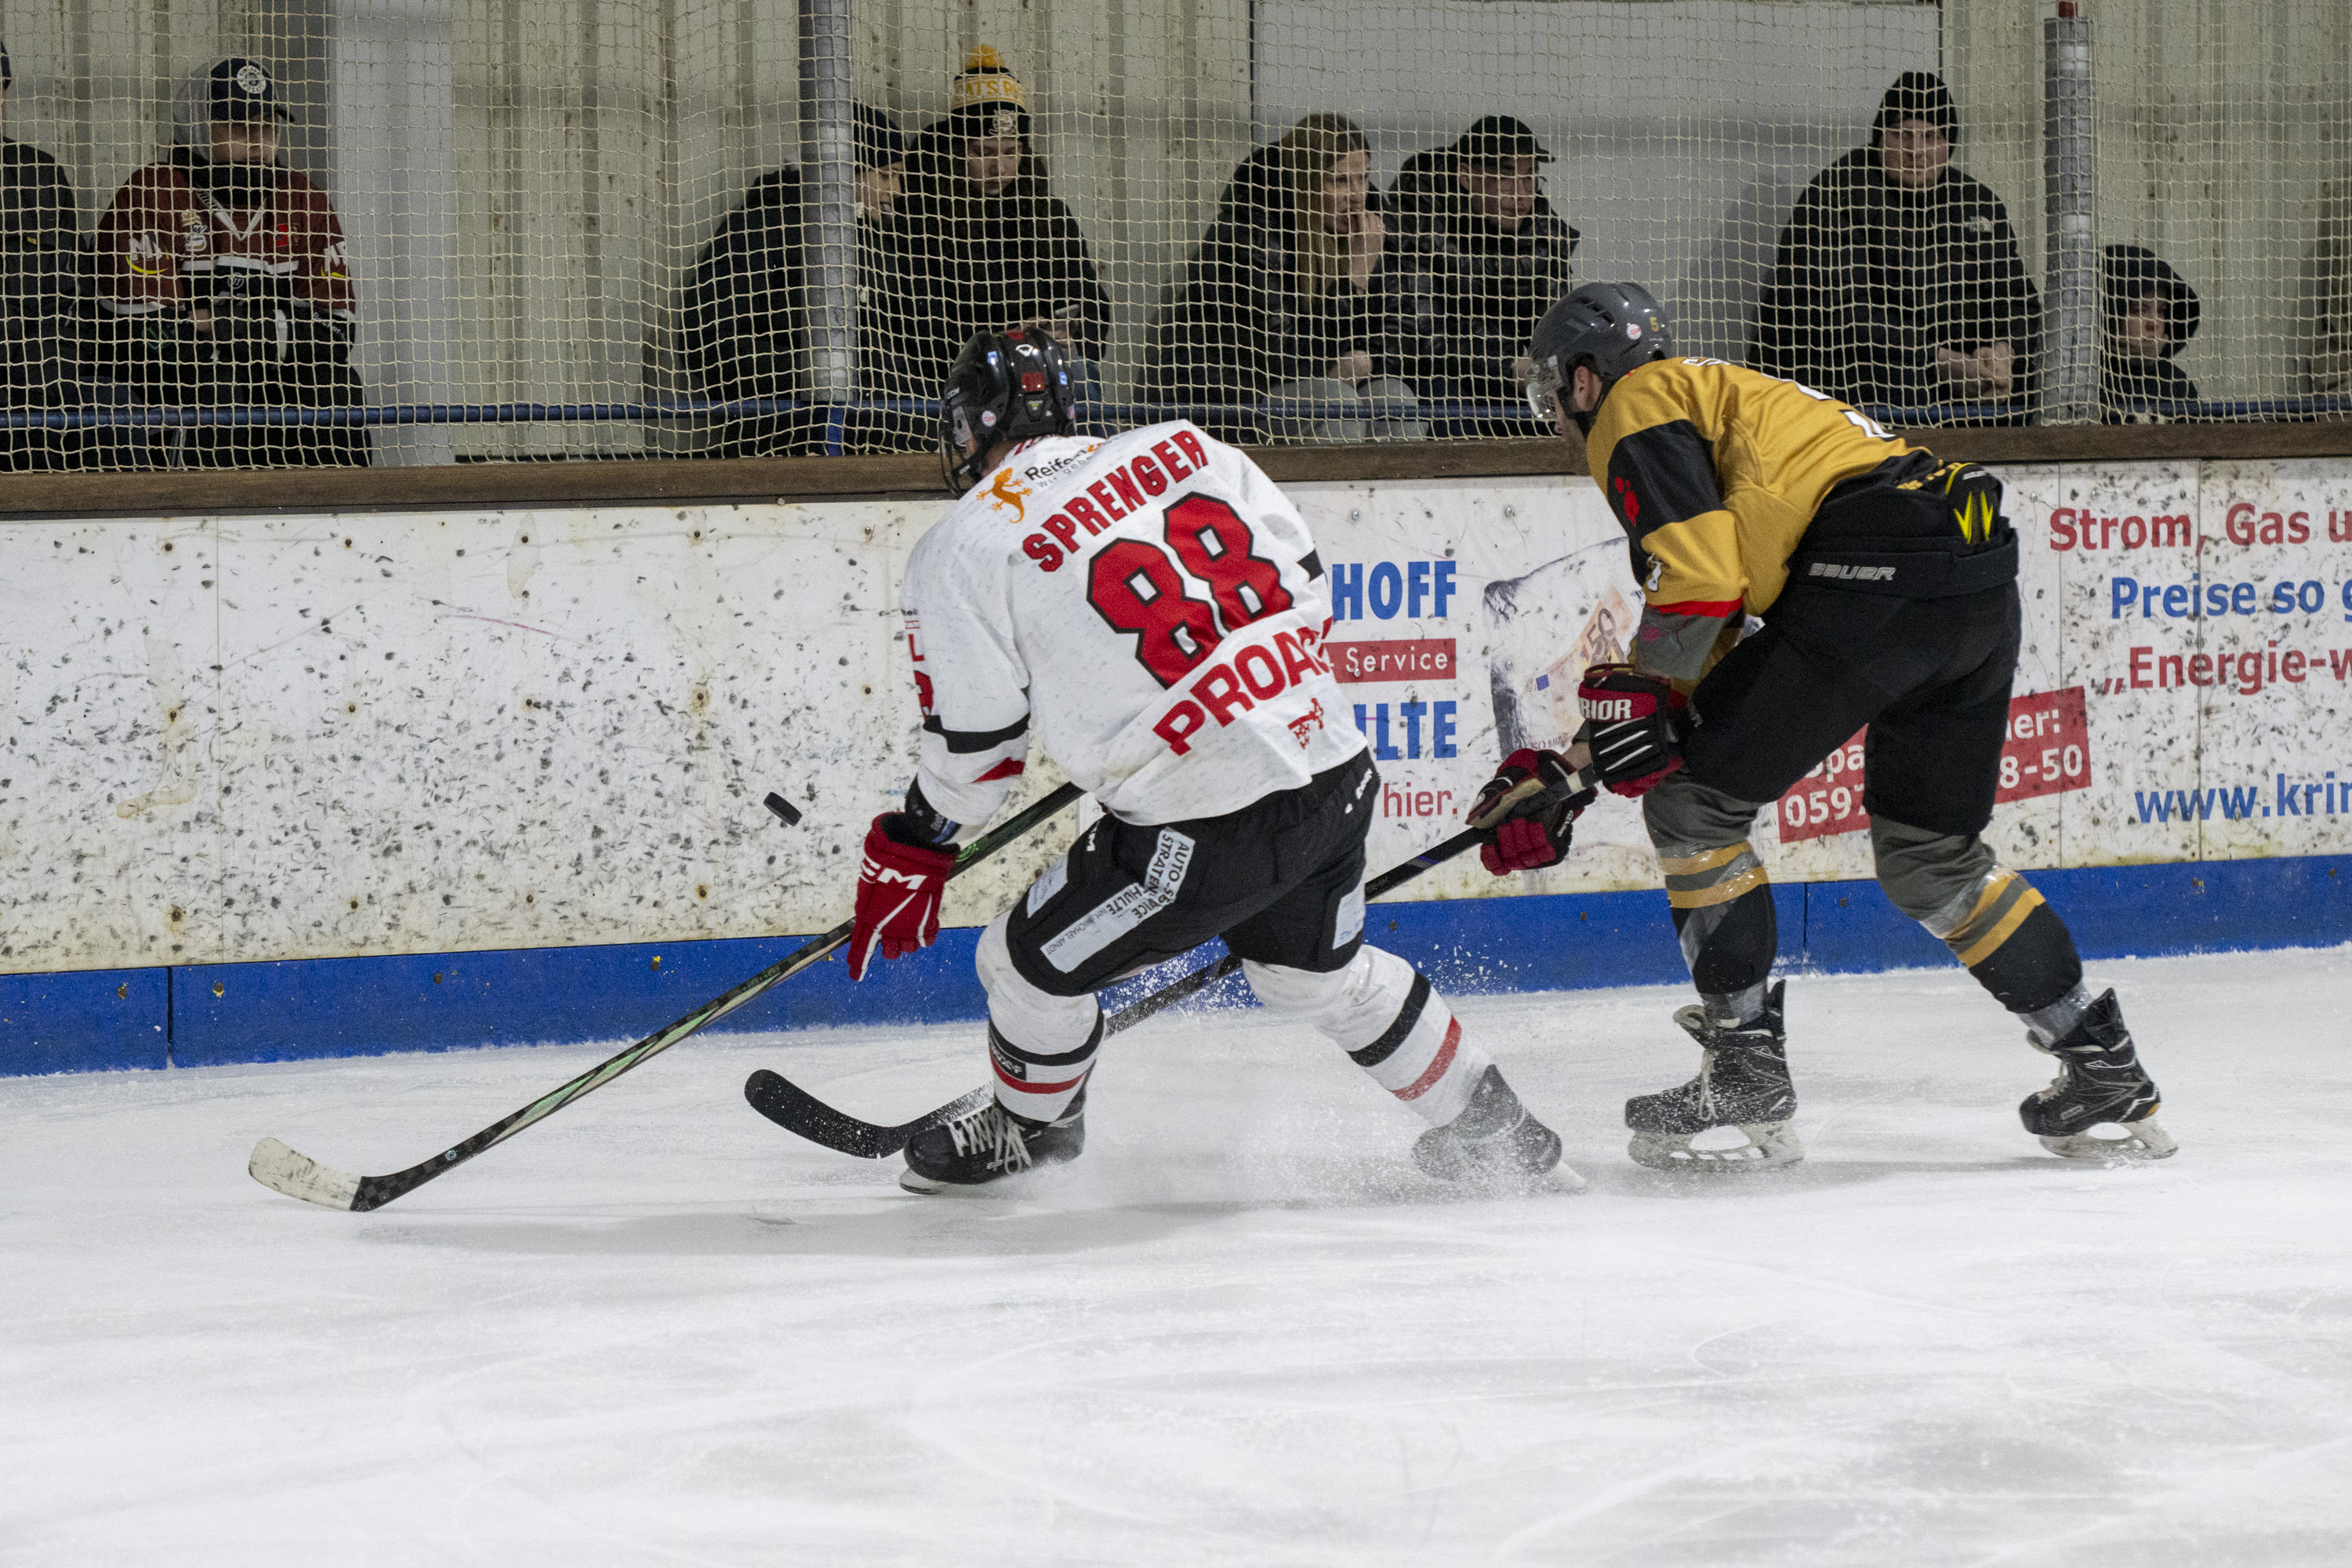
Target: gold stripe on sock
[[1705, 860], [1720, 894], [1992, 900], [2003, 929]]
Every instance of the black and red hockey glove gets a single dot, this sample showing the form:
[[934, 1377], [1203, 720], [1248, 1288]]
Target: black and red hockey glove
[[1630, 724], [898, 888], [1528, 822]]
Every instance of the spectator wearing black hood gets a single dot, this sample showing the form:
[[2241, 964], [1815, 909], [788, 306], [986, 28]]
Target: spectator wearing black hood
[[39, 258], [2150, 313], [1898, 281], [741, 339], [1484, 257], [981, 244], [1294, 299], [227, 276]]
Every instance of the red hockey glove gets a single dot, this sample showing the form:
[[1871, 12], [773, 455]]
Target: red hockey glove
[[898, 888], [1529, 823], [1629, 722]]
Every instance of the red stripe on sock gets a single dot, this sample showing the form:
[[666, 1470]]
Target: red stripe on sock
[[1437, 1067], [1027, 1088]]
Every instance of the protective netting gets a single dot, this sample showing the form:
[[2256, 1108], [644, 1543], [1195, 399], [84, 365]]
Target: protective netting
[[311, 231]]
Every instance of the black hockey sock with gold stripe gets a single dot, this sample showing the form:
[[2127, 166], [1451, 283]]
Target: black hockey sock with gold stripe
[[2018, 949], [1722, 904]]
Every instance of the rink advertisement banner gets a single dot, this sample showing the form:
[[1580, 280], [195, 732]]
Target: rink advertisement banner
[[263, 738]]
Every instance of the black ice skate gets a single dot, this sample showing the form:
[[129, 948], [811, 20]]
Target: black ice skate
[[989, 1145], [1493, 1143], [1742, 1082], [2100, 1083]]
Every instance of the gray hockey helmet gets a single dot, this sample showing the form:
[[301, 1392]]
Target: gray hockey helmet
[[1612, 327]]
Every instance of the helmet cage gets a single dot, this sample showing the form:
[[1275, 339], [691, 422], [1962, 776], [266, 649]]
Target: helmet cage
[[1544, 388]]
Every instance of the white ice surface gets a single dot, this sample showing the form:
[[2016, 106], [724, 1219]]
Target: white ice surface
[[658, 1330]]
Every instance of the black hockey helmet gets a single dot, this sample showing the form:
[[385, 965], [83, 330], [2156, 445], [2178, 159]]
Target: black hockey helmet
[[1612, 327], [1004, 386]]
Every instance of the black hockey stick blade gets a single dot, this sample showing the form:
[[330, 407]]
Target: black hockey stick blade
[[787, 1104], [786, 811], [795, 1110], [281, 1169]]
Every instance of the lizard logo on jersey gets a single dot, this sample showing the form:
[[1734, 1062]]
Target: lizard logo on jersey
[[1010, 492]]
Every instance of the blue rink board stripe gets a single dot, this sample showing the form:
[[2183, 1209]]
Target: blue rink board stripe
[[196, 1015]]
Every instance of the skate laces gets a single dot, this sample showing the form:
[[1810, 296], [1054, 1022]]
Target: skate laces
[[993, 1135]]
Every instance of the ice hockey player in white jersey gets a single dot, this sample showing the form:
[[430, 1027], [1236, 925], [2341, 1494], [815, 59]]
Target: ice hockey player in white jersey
[[1149, 608]]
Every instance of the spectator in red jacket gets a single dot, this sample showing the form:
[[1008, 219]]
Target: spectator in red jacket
[[228, 277]]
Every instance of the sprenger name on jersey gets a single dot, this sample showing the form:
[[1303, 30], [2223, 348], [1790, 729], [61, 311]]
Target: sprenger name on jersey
[[1123, 489]]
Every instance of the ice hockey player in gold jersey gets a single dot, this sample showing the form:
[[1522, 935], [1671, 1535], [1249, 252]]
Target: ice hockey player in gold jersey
[[1885, 584]]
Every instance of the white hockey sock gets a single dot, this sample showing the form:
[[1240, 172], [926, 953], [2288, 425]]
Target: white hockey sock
[[1040, 1046], [1391, 1024]]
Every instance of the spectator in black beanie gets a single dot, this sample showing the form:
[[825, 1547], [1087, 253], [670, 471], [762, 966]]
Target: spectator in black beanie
[[1898, 281], [742, 335], [2150, 313]]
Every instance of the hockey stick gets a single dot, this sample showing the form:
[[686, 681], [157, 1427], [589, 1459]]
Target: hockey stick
[[297, 1175], [792, 1108]]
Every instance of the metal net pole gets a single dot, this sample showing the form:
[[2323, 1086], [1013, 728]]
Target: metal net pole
[[2070, 194], [828, 162]]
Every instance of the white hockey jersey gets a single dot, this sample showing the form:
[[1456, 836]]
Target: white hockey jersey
[[1149, 607]]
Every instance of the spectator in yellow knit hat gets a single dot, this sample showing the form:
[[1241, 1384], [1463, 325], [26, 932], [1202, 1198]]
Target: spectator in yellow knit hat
[[983, 245]]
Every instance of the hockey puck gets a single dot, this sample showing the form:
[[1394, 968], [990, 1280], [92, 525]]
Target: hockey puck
[[786, 811]]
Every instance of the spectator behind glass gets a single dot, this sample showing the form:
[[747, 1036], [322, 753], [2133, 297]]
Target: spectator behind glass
[[742, 336], [1485, 257], [2150, 313], [229, 278], [981, 244], [40, 243], [1293, 299], [1898, 281]]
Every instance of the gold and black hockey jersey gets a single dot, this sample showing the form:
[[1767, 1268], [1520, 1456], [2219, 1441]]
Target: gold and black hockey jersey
[[1716, 472]]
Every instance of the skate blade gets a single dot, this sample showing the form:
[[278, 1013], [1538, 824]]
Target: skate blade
[[930, 1188], [1012, 1184], [1770, 1145], [2140, 1143]]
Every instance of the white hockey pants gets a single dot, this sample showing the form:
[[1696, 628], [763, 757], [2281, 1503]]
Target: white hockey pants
[[1378, 1009]]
